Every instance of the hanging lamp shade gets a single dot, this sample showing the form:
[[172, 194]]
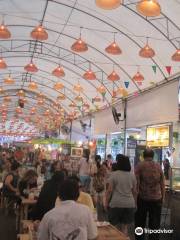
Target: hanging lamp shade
[[149, 8], [32, 86], [7, 99], [147, 52], [9, 80], [4, 32], [78, 98], [108, 4], [113, 76], [61, 97], [89, 75], [58, 72], [138, 77], [3, 64], [18, 110], [40, 102], [114, 49], [39, 33], [21, 93], [176, 56], [79, 46], [31, 67], [1, 90], [58, 86], [72, 105], [78, 88], [101, 89], [40, 95]]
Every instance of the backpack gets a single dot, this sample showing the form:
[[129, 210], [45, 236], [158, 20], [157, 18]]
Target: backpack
[[98, 184]]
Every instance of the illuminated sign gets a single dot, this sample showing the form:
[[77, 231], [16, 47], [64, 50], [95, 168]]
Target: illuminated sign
[[158, 136]]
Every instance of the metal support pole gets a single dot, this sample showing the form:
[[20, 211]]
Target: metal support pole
[[70, 136], [106, 136], [125, 124]]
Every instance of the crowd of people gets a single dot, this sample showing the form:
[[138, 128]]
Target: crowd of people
[[66, 203]]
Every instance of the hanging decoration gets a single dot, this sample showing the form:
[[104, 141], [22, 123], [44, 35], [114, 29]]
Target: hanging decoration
[[33, 86], [7, 99], [168, 69], [149, 8], [3, 64], [126, 84], [78, 88], [108, 4], [78, 98], [31, 67], [58, 86], [89, 75], [138, 77], [1, 90], [61, 97], [146, 51], [72, 105], [39, 33], [4, 32], [154, 68], [18, 110], [9, 80], [102, 91], [40, 102], [113, 76], [21, 93], [113, 48], [79, 45], [176, 56], [58, 72]]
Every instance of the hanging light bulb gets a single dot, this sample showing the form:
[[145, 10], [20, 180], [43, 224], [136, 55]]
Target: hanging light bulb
[[149, 8], [108, 4], [39, 33], [58, 72], [3, 64], [58, 86], [176, 56], [138, 77], [113, 76], [32, 86], [147, 51], [4, 32], [9, 80], [31, 67]]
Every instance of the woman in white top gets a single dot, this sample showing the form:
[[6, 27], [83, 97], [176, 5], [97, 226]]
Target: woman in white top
[[84, 170]]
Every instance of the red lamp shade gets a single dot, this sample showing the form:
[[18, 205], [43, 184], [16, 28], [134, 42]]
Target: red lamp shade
[[4, 32], [149, 8], [3, 64], [113, 76], [58, 72], [31, 67], [79, 46], [9, 80], [147, 52], [176, 56], [89, 75], [108, 4], [39, 33], [114, 49], [101, 89], [138, 77]]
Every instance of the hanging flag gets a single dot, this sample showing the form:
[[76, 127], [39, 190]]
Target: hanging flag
[[168, 69], [126, 84], [154, 67]]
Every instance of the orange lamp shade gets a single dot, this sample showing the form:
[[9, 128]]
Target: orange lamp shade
[[176, 56], [78, 88], [79, 98], [58, 86], [114, 49], [101, 89], [40, 102], [89, 75], [1, 90], [3, 64], [7, 99], [9, 80], [72, 105], [113, 76], [79, 46], [18, 110], [58, 72], [39, 33], [138, 77], [32, 86], [61, 97], [108, 4], [31, 67], [4, 32], [21, 93], [149, 8], [147, 52]]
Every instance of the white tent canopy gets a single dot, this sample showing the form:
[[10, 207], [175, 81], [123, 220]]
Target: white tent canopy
[[63, 20]]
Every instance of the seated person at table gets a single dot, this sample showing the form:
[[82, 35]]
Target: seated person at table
[[10, 185], [48, 195], [84, 198], [70, 220], [27, 183]]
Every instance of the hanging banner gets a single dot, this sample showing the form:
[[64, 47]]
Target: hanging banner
[[154, 67], [168, 69], [126, 84]]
